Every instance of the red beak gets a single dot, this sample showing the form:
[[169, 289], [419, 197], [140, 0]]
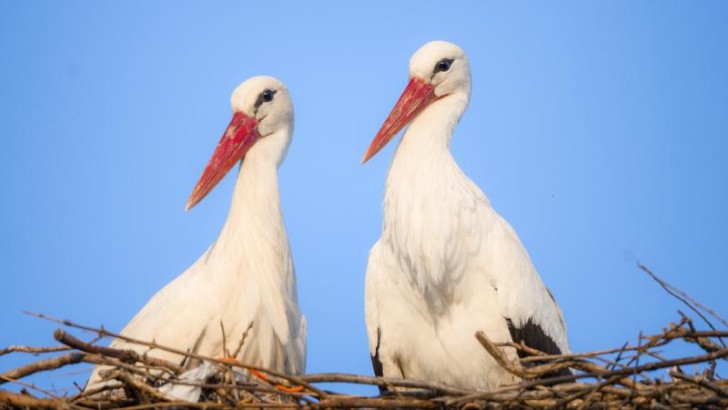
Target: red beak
[[240, 135], [418, 95]]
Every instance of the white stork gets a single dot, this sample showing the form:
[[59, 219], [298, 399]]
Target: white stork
[[447, 264], [247, 275]]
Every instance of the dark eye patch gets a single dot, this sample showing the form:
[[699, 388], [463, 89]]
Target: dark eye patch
[[264, 97], [442, 65]]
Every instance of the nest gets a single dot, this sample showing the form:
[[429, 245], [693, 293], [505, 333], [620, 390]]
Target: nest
[[640, 375]]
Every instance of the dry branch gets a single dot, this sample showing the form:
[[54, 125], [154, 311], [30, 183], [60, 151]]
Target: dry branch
[[691, 303], [126, 356], [43, 365], [33, 350], [14, 400]]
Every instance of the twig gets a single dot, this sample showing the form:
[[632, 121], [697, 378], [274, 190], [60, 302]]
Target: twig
[[29, 385], [380, 403], [242, 340], [47, 364], [383, 381], [19, 401], [33, 350], [700, 382], [126, 356], [685, 298], [131, 381], [514, 368]]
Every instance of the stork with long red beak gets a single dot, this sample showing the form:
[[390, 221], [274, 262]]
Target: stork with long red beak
[[447, 264], [246, 277]]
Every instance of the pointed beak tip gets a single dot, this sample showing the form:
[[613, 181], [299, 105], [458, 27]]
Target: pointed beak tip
[[192, 201], [239, 136], [417, 95]]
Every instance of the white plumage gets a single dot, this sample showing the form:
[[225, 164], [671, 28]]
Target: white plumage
[[247, 274], [447, 265]]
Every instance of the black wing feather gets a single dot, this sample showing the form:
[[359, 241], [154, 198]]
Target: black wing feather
[[376, 363], [533, 335]]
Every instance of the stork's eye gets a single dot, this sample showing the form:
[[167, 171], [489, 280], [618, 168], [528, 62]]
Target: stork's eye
[[264, 97], [443, 65]]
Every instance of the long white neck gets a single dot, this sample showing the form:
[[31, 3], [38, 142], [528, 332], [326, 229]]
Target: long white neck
[[429, 134], [423, 156], [253, 242], [425, 189]]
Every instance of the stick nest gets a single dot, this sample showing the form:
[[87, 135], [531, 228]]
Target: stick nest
[[640, 375]]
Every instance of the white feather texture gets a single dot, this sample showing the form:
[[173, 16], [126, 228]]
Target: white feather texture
[[447, 265], [246, 275]]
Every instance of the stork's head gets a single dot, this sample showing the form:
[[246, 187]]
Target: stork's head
[[438, 70], [262, 117]]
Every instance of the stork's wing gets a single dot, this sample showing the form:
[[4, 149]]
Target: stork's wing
[[528, 307], [533, 335], [173, 317]]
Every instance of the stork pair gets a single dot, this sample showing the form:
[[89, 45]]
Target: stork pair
[[446, 266]]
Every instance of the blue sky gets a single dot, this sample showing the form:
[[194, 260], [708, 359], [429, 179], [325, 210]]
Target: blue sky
[[599, 130]]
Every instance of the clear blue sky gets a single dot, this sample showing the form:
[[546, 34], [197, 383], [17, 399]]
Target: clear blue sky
[[599, 130]]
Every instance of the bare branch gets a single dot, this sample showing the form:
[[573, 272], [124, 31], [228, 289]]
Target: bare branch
[[20, 401], [126, 356], [33, 350], [685, 298], [43, 365]]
